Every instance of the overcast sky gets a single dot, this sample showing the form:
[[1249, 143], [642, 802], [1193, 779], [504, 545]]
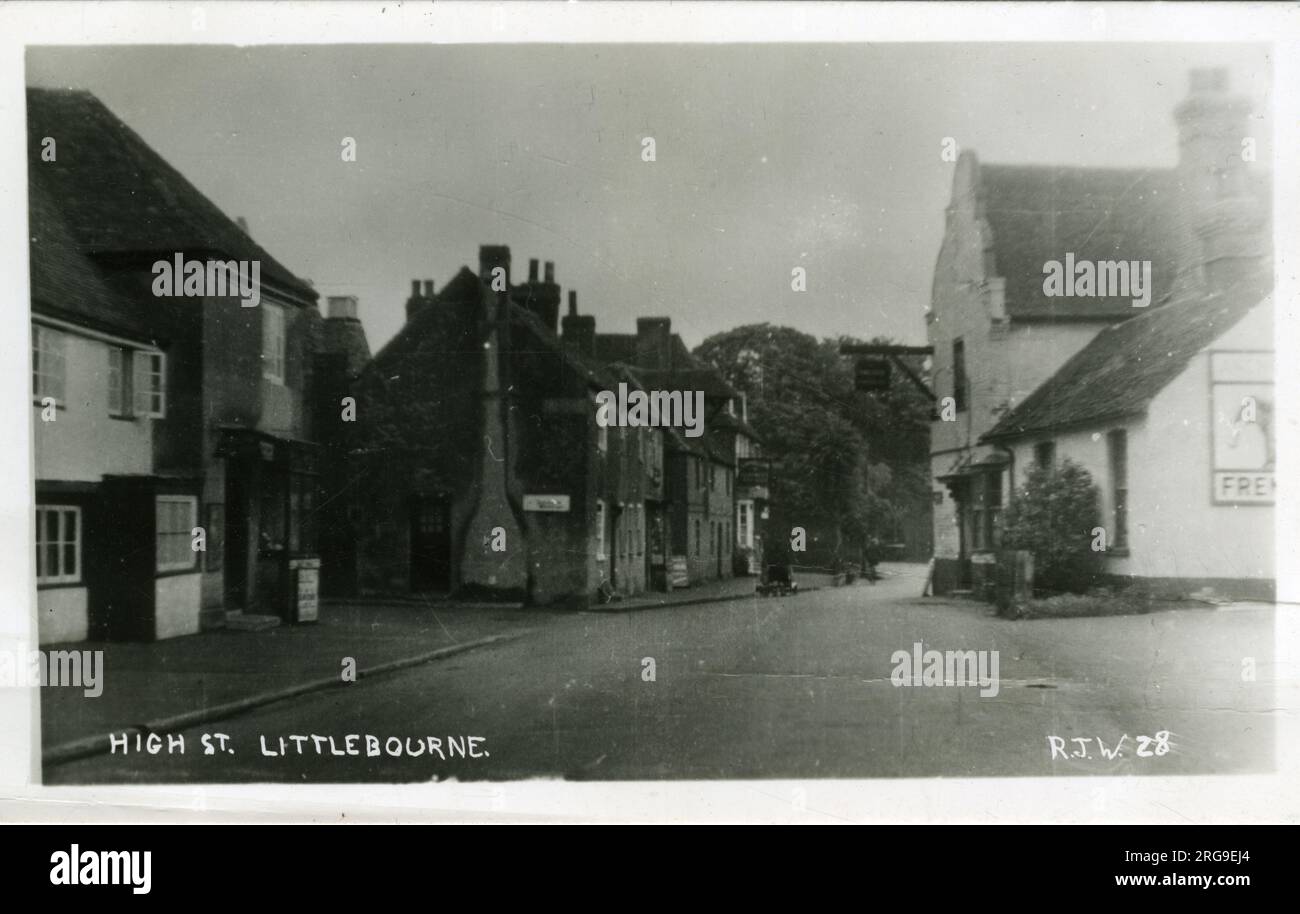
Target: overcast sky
[[768, 157]]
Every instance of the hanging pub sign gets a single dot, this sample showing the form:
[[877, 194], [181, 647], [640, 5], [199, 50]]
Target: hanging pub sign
[[870, 374]]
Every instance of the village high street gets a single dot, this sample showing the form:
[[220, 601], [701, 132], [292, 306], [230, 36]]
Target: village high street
[[759, 688]]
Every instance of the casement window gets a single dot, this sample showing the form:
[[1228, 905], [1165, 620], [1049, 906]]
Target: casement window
[[137, 383], [175, 517], [600, 529], [992, 509], [273, 345], [149, 375], [986, 510], [58, 544], [960, 383], [1045, 453], [49, 364], [1117, 446]]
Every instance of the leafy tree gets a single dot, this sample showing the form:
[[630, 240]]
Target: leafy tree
[[845, 464], [1053, 516]]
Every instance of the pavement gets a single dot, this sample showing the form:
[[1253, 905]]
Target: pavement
[[167, 684], [782, 687]]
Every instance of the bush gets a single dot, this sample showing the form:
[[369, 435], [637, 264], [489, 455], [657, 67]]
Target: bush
[[1100, 601], [1053, 516]]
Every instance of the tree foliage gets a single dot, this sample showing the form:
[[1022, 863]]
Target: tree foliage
[[1053, 516], [844, 462]]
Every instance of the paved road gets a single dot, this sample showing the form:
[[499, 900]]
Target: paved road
[[797, 687]]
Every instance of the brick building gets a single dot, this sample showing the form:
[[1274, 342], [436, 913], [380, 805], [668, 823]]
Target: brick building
[[705, 512], [475, 465]]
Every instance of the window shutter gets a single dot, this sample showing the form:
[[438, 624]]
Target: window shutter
[[140, 383]]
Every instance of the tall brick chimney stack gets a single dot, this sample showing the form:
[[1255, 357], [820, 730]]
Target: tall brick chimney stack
[[579, 329], [540, 296], [419, 300], [343, 333], [1227, 216], [654, 342], [491, 259]]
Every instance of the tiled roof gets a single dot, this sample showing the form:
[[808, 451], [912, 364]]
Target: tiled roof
[[117, 195], [591, 371], [1041, 213], [727, 420], [706, 379], [466, 289], [1126, 365], [616, 347], [67, 284]]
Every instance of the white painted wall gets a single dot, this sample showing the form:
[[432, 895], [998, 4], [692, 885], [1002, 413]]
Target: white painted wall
[[1175, 529], [176, 604], [62, 614], [84, 443]]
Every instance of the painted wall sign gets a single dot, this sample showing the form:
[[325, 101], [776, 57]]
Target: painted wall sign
[[1244, 440], [306, 573], [677, 574], [546, 503]]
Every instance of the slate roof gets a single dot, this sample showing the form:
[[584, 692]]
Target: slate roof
[[1126, 365], [1039, 213], [117, 195], [67, 284]]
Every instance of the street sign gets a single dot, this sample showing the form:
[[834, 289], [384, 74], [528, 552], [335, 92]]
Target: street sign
[[871, 374], [546, 503]]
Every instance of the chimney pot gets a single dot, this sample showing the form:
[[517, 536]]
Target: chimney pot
[[532, 270], [550, 271], [573, 303], [342, 306], [415, 287], [428, 288]]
